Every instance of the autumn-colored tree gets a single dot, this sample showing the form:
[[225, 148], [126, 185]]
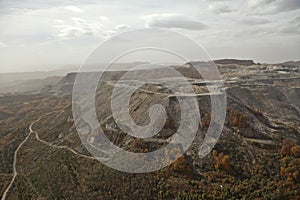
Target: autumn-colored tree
[[290, 163], [237, 119], [291, 171], [282, 171], [221, 161], [215, 153], [225, 162], [295, 151], [181, 165], [286, 148], [234, 118]]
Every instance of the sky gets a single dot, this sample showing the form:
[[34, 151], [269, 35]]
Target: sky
[[47, 35]]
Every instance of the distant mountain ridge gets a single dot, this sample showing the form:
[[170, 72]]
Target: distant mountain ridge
[[291, 63], [30, 81], [234, 61], [48, 80]]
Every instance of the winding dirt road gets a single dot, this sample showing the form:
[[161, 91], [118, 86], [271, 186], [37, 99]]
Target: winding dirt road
[[31, 131], [15, 173]]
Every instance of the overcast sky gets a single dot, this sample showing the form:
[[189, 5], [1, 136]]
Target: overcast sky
[[43, 35]]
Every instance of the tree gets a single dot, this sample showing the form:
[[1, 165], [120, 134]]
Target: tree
[[286, 148], [181, 165], [296, 151], [221, 161]]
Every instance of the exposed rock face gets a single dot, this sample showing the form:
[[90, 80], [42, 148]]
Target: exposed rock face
[[294, 96]]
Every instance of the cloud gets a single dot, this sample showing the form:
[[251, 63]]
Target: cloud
[[220, 7], [254, 21], [117, 29], [291, 30], [296, 21], [73, 9], [103, 18], [50, 23], [121, 27], [79, 27], [273, 6], [256, 3], [173, 20], [2, 45], [293, 27]]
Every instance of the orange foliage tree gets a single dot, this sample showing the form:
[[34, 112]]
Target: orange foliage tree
[[290, 161], [237, 119], [182, 166], [295, 151], [221, 161], [290, 149]]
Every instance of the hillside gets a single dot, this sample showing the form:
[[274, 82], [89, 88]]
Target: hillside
[[256, 157]]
